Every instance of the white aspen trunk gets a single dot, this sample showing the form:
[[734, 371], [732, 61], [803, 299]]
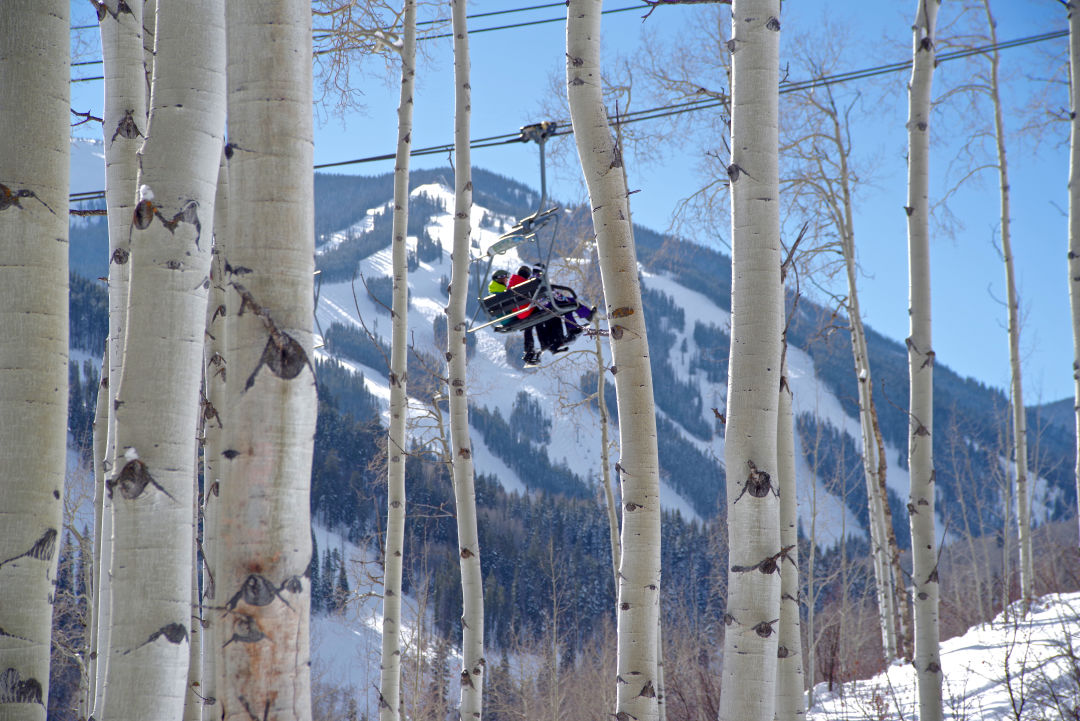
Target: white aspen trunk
[[1023, 502], [125, 125], [750, 451], [127, 92], [880, 549], [639, 570], [262, 586], [472, 617], [193, 705], [605, 460], [882, 540], [790, 699], [1074, 213], [157, 398], [924, 573], [214, 416], [811, 604], [95, 577], [390, 676], [34, 111], [904, 641]]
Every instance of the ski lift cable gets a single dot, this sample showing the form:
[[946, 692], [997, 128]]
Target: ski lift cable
[[321, 34], [687, 106]]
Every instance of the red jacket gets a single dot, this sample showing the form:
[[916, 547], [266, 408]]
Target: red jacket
[[516, 279]]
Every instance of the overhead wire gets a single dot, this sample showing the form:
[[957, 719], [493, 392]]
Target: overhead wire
[[321, 34], [672, 109]]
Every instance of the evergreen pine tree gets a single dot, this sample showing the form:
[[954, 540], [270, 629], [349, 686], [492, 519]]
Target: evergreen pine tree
[[313, 572], [341, 591], [329, 600]]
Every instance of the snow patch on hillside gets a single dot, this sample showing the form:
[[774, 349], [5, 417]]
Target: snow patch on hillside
[[1011, 659], [575, 434]]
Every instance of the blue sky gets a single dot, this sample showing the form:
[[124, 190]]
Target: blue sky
[[515, 70]]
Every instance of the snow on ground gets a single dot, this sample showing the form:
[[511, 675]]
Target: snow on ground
[[1009, 668], [346, 648]]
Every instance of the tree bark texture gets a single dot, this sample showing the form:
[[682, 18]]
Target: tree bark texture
[[157, 398], [125, 117], [750, 453], [390, 669], [263, 590], [1019, 413], [1074, 213], [215, 415], [101, 529], [605, 459], [639, 570], [790, 699], [472, 591], [877, 501], [34, 112], [924, 573]]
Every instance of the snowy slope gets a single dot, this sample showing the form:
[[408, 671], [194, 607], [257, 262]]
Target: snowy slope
[[1009, 668], [494, 382]]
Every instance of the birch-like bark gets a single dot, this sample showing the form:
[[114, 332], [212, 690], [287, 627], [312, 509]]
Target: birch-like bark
[[125, 123], [605, 460], [34, 111], [214, 411], [1023, 503], [924, 575], [125, 116], [101, 528], [262, 587], [157, 398], [639, 570], [472, 617], [193, 705], [904, 641], [1074, 212], [753, 603], [872, 466], [790, 699], [390, 676]]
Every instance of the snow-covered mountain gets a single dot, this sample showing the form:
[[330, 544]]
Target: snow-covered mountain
[[575, 431], [686, 289], [821, 400], [688, 319]]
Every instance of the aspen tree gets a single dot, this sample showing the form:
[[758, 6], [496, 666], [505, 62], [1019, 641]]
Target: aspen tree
[[102, 528], [605, 459], [263, 592], [1019, 413], [639, 569], [215, 415], [472, 591], [127, 95], [157, 398], [34, 111], [790, 700], [924, 574], [390, 677], [753, 602], [830, 180], [1074, 210]]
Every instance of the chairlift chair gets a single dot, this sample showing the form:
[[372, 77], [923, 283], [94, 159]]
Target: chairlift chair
[[537, 293]]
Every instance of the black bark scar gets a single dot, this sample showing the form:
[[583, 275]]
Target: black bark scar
[[42, 550], [133, 479], [283, 354]]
